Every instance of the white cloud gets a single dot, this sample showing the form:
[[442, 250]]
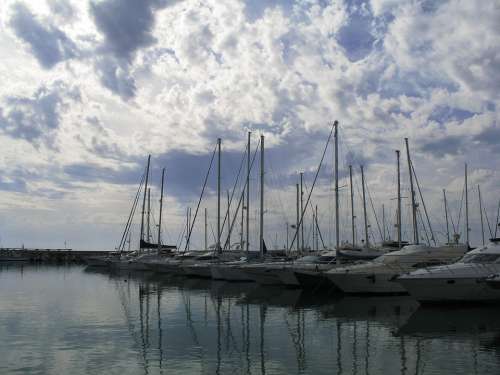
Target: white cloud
[[203, 70]]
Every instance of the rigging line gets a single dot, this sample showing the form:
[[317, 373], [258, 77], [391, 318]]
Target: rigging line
[[313, 212], [452, 222], [241, 198], [497, 224], [487, 221], [425, 229], [234, 187], [460, 210], [191, 225], [433, 238], [131, 215], [181, 238], [374, 214], [319, 232], [280, 188], [313, 184], [213, 233]]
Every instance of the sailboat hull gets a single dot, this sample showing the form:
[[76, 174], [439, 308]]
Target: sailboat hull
[[367, 283], [263, 276], [451, 289], [229, 273]]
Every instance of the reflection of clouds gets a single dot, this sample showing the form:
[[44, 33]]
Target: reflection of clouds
[[133, 323]]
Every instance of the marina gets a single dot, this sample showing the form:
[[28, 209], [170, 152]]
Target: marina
[[128, 322], [249, 187]]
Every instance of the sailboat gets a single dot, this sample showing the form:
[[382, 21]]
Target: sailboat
[[380, 275], [148, 251]]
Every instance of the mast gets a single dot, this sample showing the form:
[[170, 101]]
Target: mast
[[399, 202], [481, 213], [316, 227], [248, 193], [313, 233], [466, 210], [367, 241], [286, 236], [187, 228], [446, 216], [161, 208], [383, 222], [497, 223], [301, 212], [218, 196], [228, 219], [206, 227], [242, 227], [297, 224], [337, 227], [144, 201], [148, 216], [261, 240], [412, 192], [352, 208]]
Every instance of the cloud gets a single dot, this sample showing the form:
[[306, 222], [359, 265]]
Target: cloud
[[126, 25], [489, 137], [14, 185], [36, 119], [49, 44], [450, 145], [62, 8], [169, 80], [116, 77]]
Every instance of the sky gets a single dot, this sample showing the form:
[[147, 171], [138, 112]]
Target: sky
[[90, 88]]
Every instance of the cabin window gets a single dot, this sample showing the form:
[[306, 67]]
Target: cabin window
[[481, 258]]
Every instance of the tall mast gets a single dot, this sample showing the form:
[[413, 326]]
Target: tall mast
[[228, 219], [242, 227], [383, 222], [412, 192], [497, 224], [144, 201], [337, 227], [367, 240], [352, 208], [446, 217], [313, 232], [161, 209], [316, 227], [248, 193], [297, 223], [149, 216], [399, 202], [301, 212], [261, 240], [287, 236], [481, 213], [218, 196], [187, 228], [206, 227], [466, 209]]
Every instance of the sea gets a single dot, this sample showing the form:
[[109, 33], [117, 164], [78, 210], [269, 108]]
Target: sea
[[78, 320]]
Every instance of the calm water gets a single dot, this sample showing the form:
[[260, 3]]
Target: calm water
[[69, 320]]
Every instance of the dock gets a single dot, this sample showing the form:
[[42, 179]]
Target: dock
[[46, 255]]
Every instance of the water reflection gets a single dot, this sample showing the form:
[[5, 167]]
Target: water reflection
[[145, 324]]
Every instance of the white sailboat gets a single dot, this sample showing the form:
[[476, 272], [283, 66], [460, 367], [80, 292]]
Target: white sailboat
[[379, 276]]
